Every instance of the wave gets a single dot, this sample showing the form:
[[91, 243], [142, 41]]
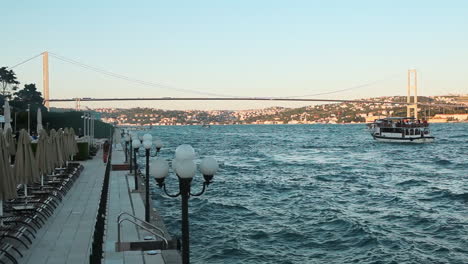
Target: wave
[[443, 162], [412, 182], [447, 194]]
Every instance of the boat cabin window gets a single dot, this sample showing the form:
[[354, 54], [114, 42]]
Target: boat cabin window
[[416, 131], [411, 132], [390, 130], [406, 132]]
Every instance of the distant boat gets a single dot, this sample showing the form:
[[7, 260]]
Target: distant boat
[[206, 126], [400, 130]]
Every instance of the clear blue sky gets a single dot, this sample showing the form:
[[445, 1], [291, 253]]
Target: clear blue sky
[[242, 47]]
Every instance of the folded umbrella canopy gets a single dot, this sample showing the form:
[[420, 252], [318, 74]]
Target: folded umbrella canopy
[[10, 142], [26, 170], [39, 120], [63, 145], [42, 155], [74, 144], [7, 183], [7, 114], [52, 151], [59, 160]]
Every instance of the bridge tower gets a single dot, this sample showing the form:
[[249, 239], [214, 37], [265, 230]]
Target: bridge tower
[[45, 77], [77, 104], [412, 106]]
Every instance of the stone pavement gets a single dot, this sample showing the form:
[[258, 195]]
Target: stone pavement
[[66, 237], [123, 198]]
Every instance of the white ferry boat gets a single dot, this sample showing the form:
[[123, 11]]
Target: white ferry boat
[[401, 130]]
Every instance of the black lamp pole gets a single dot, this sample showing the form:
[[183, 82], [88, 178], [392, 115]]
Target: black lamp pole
[[147, 209], [147, 183], [184, 192], [126, 154], [130, 153], [136, 167]]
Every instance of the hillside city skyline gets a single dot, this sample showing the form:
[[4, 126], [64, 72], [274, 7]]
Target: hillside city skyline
[[322, 113]]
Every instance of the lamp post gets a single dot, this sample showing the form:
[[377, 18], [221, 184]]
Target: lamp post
[[91, 128], [84, 124], [29, 119], [185, 169], [136, 145], [126, 139], [147, 145], [130, 140]]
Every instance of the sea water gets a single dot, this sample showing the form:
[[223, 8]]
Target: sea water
[[322, 194]]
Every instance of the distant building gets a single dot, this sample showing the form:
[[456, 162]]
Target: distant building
[[443, 118]]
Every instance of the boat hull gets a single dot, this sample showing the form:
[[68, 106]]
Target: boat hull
[[404, 140]]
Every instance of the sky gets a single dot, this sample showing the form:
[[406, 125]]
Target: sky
[[252, 48]]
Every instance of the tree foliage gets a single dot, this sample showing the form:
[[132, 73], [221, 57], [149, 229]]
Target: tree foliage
[[29, 95], [8, 83]]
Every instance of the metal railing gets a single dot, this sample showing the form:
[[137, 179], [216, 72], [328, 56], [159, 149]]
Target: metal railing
[[96, 254], [141, 220], [142, 227]]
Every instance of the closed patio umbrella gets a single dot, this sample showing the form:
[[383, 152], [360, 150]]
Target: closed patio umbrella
[[7, 183], [59, 160], [7, 114], [51, 150], [42, 155], [63, 146], [10, 142], [39, 121], [74, 144], [26, 170]]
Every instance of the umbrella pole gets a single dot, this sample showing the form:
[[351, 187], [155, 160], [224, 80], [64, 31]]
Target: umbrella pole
[[26, 192], [42, 179], [1, 212]]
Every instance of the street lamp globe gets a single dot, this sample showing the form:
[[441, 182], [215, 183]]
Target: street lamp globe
[[186, 169], [174, 165], [147, 137], [185, 152], [147, 144], [209, 166], [158, 143], [136, 143], [160, 169]]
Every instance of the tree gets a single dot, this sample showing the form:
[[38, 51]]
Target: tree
[[8, 83], [28, 95]]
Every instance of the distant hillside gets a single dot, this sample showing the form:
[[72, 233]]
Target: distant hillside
[[326, 113]]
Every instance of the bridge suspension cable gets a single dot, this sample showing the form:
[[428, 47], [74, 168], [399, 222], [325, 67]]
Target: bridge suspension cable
[[23, 62], [129, 79]]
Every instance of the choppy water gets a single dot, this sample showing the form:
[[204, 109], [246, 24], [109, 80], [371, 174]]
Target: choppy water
[[324, 194]]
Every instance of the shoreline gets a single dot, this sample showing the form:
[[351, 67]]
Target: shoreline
[[199, 125]]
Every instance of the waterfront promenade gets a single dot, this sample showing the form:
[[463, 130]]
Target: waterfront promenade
[[67, 235], [124, 198]]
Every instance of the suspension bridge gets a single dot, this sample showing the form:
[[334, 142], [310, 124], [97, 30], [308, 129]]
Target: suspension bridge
[[411, 102]]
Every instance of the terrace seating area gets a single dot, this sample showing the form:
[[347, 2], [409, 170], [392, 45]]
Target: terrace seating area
[[24, 216]]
